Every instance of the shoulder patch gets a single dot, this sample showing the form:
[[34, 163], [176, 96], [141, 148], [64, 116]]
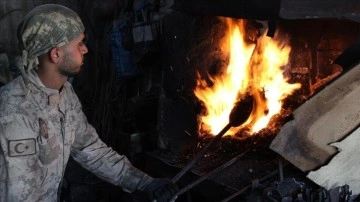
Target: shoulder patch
[[22, 147]]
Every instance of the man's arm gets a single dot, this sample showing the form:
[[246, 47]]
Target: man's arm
[[104, 162], [94, 155]]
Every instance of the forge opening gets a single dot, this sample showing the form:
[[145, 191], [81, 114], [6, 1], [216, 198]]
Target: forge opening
[[316, 45], [281, 72]]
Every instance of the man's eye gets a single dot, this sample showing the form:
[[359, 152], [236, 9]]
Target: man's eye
[[84, 41]]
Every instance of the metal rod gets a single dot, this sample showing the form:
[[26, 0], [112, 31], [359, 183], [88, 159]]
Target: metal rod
[[212, 173], [202, 152], [248, 186], [281, 172]]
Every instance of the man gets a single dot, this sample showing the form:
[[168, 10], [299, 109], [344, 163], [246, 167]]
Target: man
[[41, 120]]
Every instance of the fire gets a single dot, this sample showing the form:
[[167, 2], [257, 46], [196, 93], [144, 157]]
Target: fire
[[257, 69]]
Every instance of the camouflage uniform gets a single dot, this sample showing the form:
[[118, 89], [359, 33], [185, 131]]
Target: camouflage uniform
[[39, 128]]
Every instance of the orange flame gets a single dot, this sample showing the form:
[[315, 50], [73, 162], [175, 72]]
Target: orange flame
[[255, 69]]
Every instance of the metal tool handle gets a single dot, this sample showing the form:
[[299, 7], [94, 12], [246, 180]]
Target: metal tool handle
[[212, 173], [196, 158]]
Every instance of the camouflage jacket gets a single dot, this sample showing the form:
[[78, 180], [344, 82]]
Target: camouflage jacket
[[39, 129]]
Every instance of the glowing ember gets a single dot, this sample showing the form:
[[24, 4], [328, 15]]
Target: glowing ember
[[255, 69]]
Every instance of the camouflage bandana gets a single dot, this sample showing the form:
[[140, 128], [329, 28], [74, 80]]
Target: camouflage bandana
[[43, 28]]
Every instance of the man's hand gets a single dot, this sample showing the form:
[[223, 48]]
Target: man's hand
[[161, 190]]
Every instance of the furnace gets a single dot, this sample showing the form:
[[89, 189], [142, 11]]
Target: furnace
[[322, 51]]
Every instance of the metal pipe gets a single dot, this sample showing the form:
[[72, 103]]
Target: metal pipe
[[281, 173]]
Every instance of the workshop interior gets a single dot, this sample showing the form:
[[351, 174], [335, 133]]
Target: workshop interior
[[236, 100]]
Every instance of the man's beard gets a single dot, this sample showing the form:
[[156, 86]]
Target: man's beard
[[68, 73], [68, 66]]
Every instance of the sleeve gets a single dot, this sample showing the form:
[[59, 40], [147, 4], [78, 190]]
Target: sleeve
[[103, 161]]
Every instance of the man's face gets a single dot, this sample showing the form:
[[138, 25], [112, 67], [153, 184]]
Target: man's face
[[73, 57]]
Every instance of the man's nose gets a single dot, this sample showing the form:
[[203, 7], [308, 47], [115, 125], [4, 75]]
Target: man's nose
[[84, 49]]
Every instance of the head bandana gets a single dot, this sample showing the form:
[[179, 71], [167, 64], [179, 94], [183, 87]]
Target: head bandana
[[45, 27]]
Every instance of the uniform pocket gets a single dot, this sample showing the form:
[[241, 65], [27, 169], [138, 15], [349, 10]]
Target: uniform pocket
[[70, 128], [49, 150], [69, 135]]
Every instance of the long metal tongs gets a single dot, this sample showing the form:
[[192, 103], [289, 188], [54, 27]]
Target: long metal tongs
[[208, 175], [239, 114]]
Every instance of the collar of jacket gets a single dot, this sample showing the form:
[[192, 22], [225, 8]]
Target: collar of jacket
[[33, 83]]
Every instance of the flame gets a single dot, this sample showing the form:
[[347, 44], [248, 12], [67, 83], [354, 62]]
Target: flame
[[257, 69]]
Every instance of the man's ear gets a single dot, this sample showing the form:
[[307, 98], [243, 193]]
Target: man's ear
[[54, 55]]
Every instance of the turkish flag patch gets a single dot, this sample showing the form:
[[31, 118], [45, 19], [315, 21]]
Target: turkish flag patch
[[22, 147]]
